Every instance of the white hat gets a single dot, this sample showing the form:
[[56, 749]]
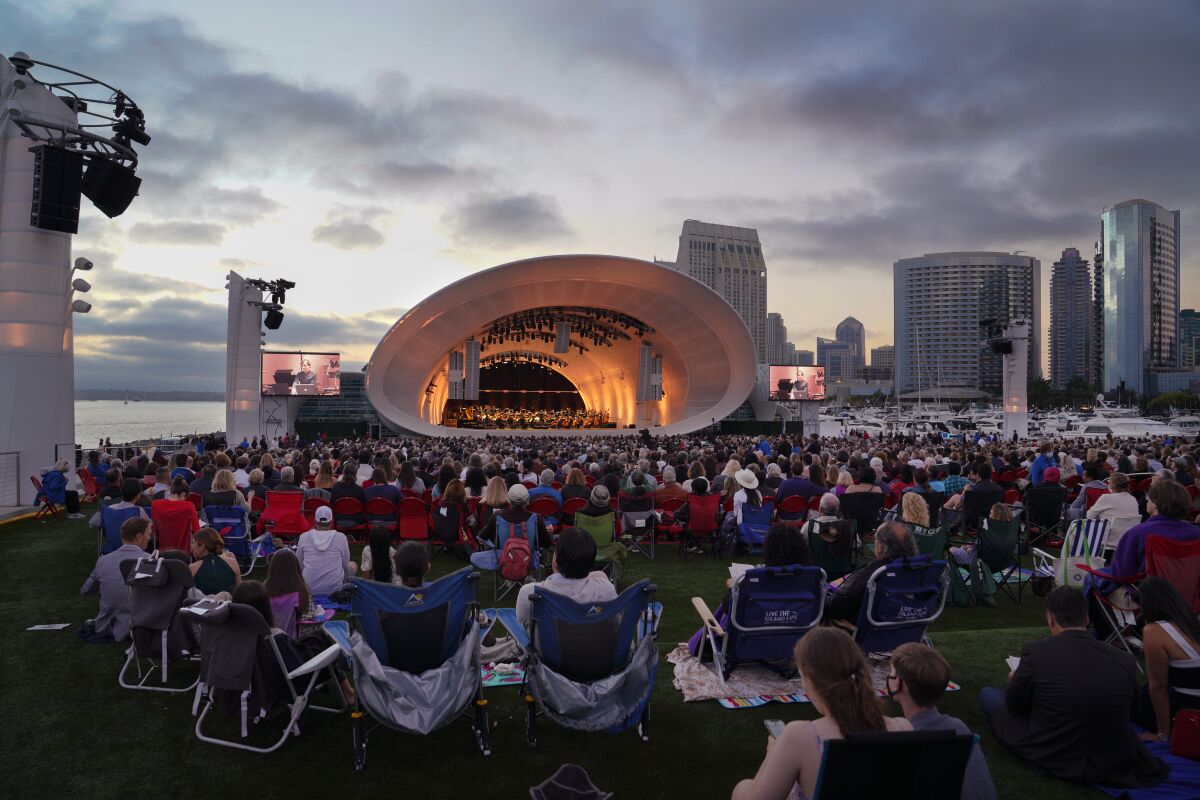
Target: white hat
[[324, 514], [746, 479]]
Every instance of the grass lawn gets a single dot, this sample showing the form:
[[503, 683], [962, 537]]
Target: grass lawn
[[70, 731]]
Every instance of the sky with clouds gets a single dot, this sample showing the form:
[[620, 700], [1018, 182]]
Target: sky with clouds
[[376, 151]]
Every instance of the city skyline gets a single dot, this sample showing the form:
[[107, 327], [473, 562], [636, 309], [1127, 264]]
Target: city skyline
[[316, 148]]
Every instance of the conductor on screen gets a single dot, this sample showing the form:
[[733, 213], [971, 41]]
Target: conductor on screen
[[306, 377]]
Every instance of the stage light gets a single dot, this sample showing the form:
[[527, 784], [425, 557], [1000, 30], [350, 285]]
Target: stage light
[[82, 264], [110, 186], [274, 319], [81, 307], [80, 285]]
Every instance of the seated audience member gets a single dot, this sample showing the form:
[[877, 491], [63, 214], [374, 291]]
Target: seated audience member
[[797, 484], [747, 493], [412, 565], [381, 488], [545, 488], [213, 569], [837, 679], [54, 486], [324, 555], [670, 488], [1171, 642], [966, 554], [112, 488], [181, 469], [572, 575], [204, 481], [224, 492], [348, 485], [1095, 480], [1168, 504], [916, 681], [112, 620], [162, 484], [495, 498], [241, 475], [893, 540], [638, 499], [516, 515], [829, 511], [377, 556], [287, 481], [284, 577], [1050, 495], [131, 491], [1067, 707], [913, 508], [575, 485], [1118, 503], [322, 483], [864, 481]]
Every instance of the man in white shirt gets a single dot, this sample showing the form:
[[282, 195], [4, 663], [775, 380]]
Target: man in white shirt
[[573, 577], [324, 555]]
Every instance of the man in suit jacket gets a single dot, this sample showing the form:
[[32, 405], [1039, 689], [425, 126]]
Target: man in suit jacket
[[108, 579], [1067, 707]]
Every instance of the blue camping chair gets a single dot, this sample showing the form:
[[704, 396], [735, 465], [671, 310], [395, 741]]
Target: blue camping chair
[[588, 666], [489, 559], [231, 522], [770, 608], [111, 520], [752, 531], [902, 599], [415, 655]]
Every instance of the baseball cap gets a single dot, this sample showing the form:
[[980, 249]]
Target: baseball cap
[[517, 493], [1052, 474], [324, 514]]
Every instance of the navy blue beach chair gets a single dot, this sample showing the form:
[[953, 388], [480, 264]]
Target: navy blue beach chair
[[902, 599]]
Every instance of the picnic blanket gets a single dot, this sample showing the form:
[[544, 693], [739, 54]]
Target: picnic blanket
[[1182, 784]]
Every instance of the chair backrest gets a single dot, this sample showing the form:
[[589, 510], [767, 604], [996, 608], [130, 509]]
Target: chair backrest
[[1092, 494], [545, 506], [978, 502], [1117, 528], [281, 503], [286, 608], [1071, 481], [902, 599], [1176, 561], [588, 641], [1011, 496], [831, 544], [755, 522], [1086, 536], [111, 520], [926, 764], [196, 500], [769, 609], [413, 519], [863, 508], [671, 504], [174, 523], [600, 528], [998, 541], [1044, 507], [573, 504], [793, 504], [415, 630], [381, 508], [230, 522], [702, 512], [931, 541]]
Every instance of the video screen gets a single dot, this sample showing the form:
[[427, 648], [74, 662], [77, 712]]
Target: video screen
[[797, 383], [301, 374]]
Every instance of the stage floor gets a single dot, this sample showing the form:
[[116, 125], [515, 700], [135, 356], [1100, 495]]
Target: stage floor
[[558, 433]]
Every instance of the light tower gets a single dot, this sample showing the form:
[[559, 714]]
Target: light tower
[[52, 153], [1011, 342]]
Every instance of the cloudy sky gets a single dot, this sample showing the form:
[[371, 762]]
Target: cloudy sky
[[376, 151]]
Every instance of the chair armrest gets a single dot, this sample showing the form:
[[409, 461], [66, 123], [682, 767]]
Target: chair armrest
[[1040, 553], [706, 617], [508, 618], [318, 662], [1126, 581]]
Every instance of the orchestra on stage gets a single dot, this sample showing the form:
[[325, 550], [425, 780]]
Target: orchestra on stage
[[487, 416]]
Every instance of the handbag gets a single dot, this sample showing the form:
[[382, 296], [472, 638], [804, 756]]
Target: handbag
[[1185, 734], [1069, 573]]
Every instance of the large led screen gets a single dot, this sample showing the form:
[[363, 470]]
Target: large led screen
[[797, 383], [301, 374]]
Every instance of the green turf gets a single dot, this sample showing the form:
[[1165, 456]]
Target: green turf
[[68, 730]]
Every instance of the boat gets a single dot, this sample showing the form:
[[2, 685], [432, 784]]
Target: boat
[[1187, 424]]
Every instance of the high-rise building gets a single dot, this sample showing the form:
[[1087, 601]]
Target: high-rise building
[[838, 359], [730, 261], [853, 333], [1070, 318], [940, 300], [805, 358], [776, 339], [1140, 242], [1096, 354], [883, 361], [1189, 337]]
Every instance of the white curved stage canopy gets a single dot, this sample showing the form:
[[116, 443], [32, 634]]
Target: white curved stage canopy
[[708, 358]]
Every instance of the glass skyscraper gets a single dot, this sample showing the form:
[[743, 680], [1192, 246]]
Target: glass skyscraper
[[1140, 248]]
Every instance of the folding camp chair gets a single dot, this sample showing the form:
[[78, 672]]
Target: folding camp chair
[[588, 666], [638, 528], [284, 514], [864, 508], [111, 520], [976, 505], [902, 599], [309, 509], [1044, 516], [932, 541], [929, 764], [547, 508], [770, 608], [243, 671], [752, 530], [1085, 542], [832, 546], [449, 532], [381, 513], [159, 635], [349, 517], [49, 509], [415, 657], [666, 528], [704, 520], [174, 524], [998, 546], [573, 505], [230, 522], [489, 558], [413, 519], [91, 489], [602, 529]]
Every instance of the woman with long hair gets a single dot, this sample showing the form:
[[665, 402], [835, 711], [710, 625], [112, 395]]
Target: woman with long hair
[[1171, 641], [838, 681], [495, 498], [913, 509], [224, 492], [408, 480], [213, 569], [377, 556], [284, 577]]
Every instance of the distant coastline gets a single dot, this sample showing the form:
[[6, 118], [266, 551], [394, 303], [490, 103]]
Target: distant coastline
[[145, 394]]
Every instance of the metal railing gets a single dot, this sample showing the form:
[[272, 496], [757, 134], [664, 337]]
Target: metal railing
[[10, 478]]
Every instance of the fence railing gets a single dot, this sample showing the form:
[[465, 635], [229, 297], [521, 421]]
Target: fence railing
[[10, 478]]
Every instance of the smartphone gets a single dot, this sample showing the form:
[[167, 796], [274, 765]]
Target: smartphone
[[774, 727]]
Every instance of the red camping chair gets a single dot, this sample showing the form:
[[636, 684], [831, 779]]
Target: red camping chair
[[284, 514], [196, 500], [348, 516], [381, 512], [413, 520], [49, 509], [556, 485], [91, 489], [704, 518], [174, 523], [814, 503], [1092, 494], [793, 504], [1072, 481], [666, 526], [590, 480], [311, 504], [529, 484], [1011, 496], [548, 509]]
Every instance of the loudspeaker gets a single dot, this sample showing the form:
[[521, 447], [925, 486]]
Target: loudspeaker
[[110, 186], [274, 320], [57, 181]]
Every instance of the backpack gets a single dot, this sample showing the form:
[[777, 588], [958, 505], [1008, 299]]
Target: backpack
[[516, 557]]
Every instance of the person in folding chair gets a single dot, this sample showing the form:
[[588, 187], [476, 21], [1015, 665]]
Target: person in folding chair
[[1171, 641], [571, 574], [1068, 703], [893, 540], [107, 578], [838, 681]]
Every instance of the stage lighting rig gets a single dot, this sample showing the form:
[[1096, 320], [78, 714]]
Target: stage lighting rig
[[278, 291], [71, 148]]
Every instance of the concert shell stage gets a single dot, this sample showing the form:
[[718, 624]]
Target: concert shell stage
[[708, 356]]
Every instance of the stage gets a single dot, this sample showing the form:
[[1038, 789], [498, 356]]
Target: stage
[[554, 433]]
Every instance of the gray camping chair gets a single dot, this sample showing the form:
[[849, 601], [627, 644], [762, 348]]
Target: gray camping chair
[[160, 635], [243, 670]]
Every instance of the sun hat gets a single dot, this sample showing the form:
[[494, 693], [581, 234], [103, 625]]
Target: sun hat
[[746, 479]]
